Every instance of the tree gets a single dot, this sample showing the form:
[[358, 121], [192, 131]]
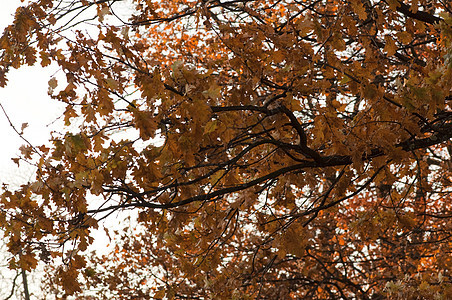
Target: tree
[[270, 149]]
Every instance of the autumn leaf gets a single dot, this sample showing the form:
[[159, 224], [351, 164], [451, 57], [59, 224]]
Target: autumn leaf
[[53, 83], [390, 46], [241, 149], [23, 126]]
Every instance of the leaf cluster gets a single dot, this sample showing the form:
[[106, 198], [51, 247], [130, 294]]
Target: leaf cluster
[[270, 149]]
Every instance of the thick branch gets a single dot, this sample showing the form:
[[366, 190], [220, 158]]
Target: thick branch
[[323, 162], [419, 15]]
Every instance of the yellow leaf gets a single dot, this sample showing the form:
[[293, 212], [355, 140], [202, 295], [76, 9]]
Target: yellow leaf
[[217, 176], [344, 79], [111, 83], [214, 92], [160, 294], [45, 61], [210, 126], [404, 37], [390, 46], [359, 9], [53, 83]]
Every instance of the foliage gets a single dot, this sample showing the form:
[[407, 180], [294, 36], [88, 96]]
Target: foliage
[[270, 149]]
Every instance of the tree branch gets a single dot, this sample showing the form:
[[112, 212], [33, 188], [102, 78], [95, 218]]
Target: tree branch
[[419, 15]]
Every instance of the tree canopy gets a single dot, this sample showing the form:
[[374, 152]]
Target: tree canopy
[[267, 149]]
